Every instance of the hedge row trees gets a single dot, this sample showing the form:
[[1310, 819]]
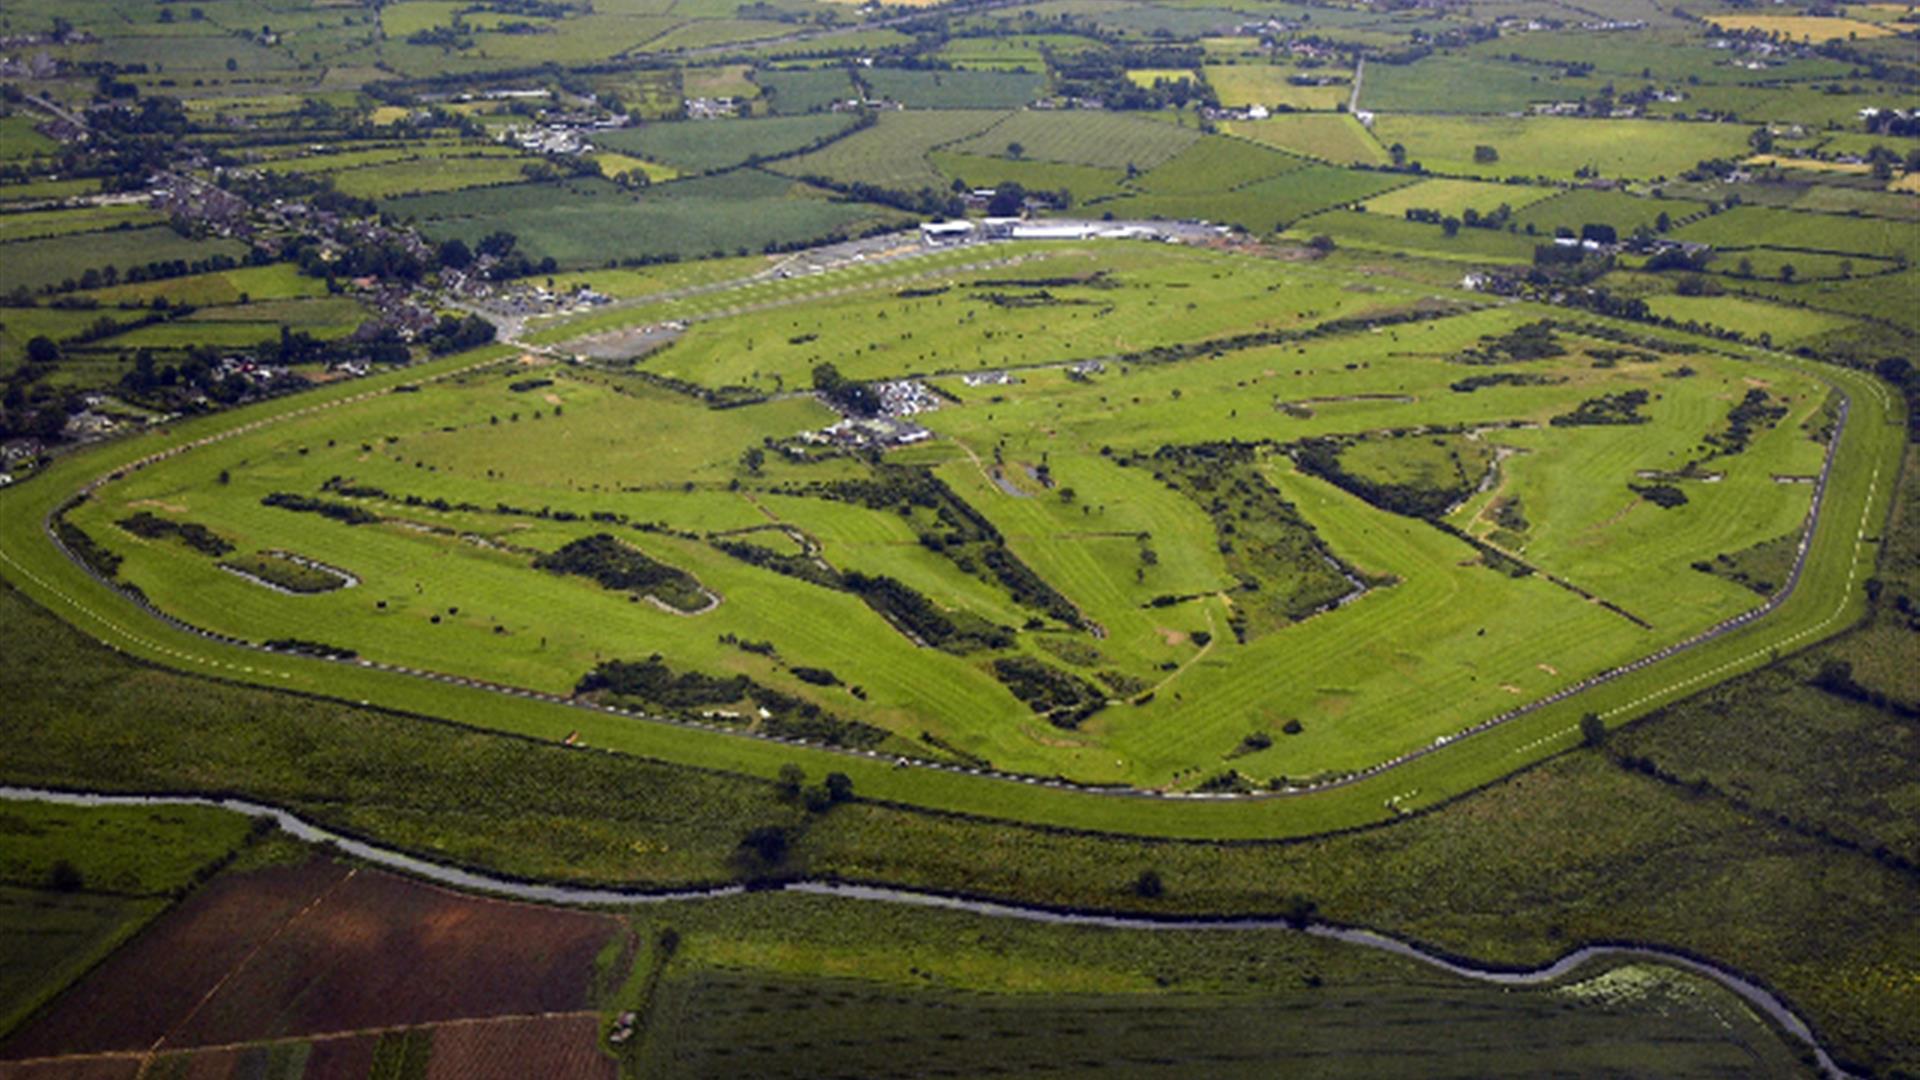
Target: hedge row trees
[[845, 394]]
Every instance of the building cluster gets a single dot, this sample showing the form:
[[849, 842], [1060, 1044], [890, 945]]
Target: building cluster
[[714, 108]]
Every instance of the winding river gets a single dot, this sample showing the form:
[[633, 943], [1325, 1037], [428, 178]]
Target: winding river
[[1758, 997]]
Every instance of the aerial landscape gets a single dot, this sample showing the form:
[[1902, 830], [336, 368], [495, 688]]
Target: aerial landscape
[[985, 538]]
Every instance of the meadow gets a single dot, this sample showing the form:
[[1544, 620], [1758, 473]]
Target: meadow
[[1240, 85], [694, 148], [894, 151], [1100, 140], [575, 221], [51, 262], [1337, 139], [1556, 147], [955, 89]]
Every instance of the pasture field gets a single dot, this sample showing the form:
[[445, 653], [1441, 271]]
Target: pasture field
[[716, 145], [41, 224], [1787, 326], [1266, 205], [1585, 206], [1812, 104], [1241, 85], [1337, 139], [1858, 296], [18, 139], [575, 221], [440, 175], [1451, 197], [893, 152], [1381, 233], [1085, 182], [613, 166], [39, 264], [1097, 139], [38, 190], [1759, 226], [955, 89], [1555, 147], [1214, 163], [1468, 84], [799, 90]]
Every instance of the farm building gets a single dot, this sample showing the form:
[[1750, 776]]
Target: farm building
[[940, 233]]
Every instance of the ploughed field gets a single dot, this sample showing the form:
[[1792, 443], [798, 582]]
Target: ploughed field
[[1178, 519]]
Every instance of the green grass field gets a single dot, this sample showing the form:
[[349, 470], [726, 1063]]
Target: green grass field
[[1338, 139], [694, 147], [53, 261], [1556, 147], [574, 221], [1100, 140], [1240, 85], [955, 89], [894, 152]]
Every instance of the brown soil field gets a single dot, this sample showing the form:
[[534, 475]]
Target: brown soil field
[[324, 950], [152, 983], [341, 1059], [508, 1049]]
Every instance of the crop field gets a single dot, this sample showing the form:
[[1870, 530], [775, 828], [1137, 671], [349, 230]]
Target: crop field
[[1338, 139], [893, 152], [696, 148], [1556, 147], [75, 884], [1101, 140], [256, 956], [1803, 27], [575, 221]]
